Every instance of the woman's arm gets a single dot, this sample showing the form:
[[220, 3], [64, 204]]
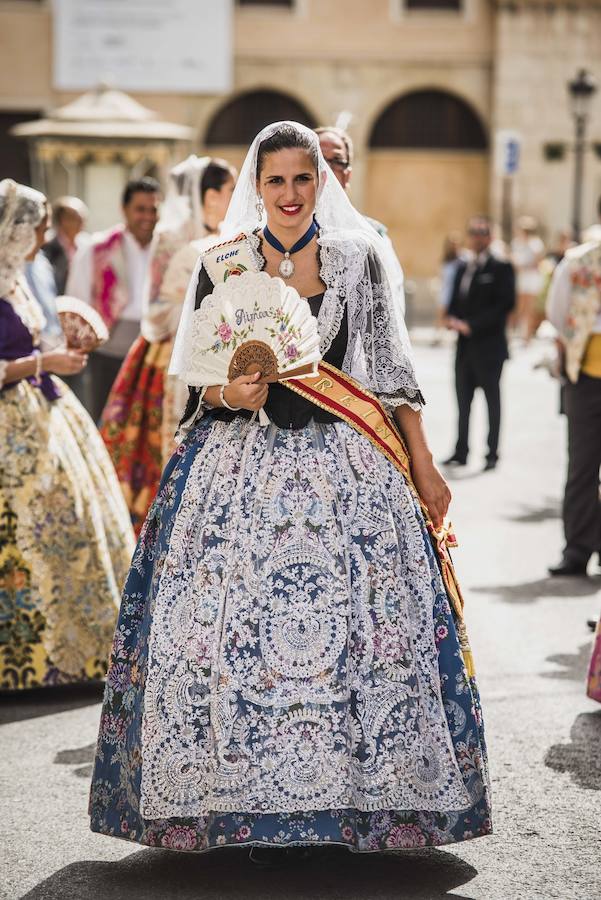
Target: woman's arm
[[60, 362], [430, 484], [17, 369]]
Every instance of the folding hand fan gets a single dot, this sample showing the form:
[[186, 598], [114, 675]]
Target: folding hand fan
[[82, 326], [252, 323]]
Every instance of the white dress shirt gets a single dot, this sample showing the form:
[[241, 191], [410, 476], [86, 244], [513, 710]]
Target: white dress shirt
[[559, 299], [137, 265], [137, 261]]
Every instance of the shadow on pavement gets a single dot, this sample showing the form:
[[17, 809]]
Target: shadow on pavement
[[453, 474], [30, 704], [82, 757], [227, 874], [574, 665], [581, 757], [531, 591], [532, 515]]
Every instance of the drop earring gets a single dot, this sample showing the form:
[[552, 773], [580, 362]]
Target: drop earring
[[260, 208]]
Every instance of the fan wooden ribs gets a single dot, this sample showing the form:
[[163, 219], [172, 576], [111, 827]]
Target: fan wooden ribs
[[256, 356]]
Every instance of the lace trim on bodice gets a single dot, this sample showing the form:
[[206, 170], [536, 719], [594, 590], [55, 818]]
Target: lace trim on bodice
[[331, 311]]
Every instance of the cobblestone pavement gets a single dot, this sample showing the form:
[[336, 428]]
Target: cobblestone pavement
[[531, 646]]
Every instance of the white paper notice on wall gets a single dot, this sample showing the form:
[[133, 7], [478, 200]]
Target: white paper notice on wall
[[160, 46]]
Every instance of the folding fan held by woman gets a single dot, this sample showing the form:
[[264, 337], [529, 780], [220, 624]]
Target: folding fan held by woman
[[290, 665], [145, 405], [65, 536]]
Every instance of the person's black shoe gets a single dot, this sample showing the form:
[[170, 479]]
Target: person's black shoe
[[489, 465], [592, 624], [454, 461], [566, 567]]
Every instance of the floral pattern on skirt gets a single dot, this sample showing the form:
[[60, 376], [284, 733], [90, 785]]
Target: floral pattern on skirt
[[594, 671], [258, 601], [65, 541], [131, 425]]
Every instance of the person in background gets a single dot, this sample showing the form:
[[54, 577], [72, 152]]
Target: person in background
[[574, 309], [527, 252], [483, 296], [562, 243], [145, 404], [65, 538], [110, 274], [69, 215], [452, 255], [337, 148], [41, 282]]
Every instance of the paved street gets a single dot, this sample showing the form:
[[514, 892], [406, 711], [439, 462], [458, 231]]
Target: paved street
[[531, 646]]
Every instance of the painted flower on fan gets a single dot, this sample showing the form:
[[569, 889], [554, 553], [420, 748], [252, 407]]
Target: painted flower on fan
[[225, 332], [291, 351]]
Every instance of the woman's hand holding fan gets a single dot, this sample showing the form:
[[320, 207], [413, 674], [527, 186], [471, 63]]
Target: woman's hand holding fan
[[251, 325], [247, 392]]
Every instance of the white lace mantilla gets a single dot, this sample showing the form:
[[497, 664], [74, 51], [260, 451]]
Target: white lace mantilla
[[292, 663]]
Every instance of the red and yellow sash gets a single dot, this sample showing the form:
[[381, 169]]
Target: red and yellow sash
[[345, 398]]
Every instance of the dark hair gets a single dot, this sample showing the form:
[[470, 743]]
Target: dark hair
[[144, 185], [216, 174], [287, 138], [68, 204], [344, 137], [451, 247], [485, 220]]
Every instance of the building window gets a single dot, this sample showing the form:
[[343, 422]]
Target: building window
[[429, 120], [14, 152], [240, 120], [454, 5]]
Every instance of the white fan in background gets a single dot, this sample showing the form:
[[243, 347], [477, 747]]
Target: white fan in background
[[251, 323], [82, 326]]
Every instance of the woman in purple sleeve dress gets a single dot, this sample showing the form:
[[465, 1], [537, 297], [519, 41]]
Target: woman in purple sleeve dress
[[65, 535]]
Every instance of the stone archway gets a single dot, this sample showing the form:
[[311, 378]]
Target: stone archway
[[427, 173], [237, 122]]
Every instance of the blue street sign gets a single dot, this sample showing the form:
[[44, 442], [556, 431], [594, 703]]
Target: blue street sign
[[508, 149], [512, 157]]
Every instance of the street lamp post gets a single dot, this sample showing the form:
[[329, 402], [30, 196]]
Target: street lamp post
[[581, 90]]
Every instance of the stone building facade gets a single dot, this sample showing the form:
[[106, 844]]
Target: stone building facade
[[427, 83]]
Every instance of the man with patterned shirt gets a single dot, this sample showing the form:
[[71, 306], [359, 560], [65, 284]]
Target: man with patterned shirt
[[574, 308], [110, 273]]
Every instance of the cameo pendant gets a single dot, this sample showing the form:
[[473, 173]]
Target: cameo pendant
[[286, 267]]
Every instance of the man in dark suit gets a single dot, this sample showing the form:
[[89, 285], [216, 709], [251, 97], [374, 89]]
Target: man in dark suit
[[68, 218], [483, 296]]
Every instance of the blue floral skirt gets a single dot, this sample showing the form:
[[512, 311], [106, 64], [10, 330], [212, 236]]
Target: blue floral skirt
[[286, 667]]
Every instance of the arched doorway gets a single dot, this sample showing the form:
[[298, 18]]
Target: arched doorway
[[427, 173], [235, 124]]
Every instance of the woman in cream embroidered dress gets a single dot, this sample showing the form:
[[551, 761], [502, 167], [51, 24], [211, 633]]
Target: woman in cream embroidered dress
[[287, 668], [65, 537], [145, 405]]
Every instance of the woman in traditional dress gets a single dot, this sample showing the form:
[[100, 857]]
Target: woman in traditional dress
[[144, 406], [594, 672], [288, 667], [65, 536], [527, 252]]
